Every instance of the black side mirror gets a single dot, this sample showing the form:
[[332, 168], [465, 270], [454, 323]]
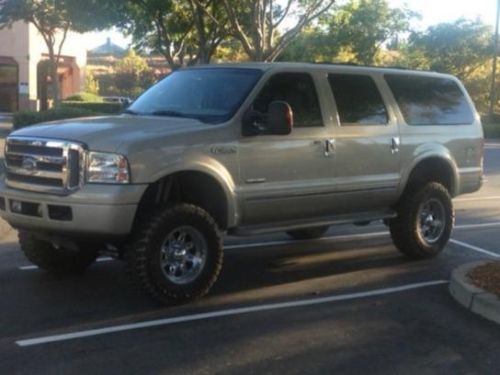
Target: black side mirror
[[277, 121], [280, 118]]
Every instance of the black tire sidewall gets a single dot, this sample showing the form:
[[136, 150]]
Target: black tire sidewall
[[153, 278], [405, 228]]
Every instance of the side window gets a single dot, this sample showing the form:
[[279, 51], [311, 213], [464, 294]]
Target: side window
[[358, 100], [298, 90], [429, 100]]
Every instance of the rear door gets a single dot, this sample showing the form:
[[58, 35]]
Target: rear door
[[367, 161]]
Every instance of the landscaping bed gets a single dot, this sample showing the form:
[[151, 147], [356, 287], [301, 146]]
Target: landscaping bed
[[487, 277]]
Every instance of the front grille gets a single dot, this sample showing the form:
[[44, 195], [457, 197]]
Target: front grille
[[43, 165]]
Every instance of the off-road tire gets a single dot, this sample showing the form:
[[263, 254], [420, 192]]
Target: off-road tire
[[143, 254], [308, 233], [405, 230], [57, 261]]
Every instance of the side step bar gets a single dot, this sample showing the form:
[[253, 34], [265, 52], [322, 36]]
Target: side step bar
[[318, 222]]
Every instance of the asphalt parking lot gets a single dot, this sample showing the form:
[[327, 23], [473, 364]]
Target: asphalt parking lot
[[347, 303]]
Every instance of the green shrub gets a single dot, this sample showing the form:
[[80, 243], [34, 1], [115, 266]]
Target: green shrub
[[26, 118], [84, 97], [491, 130], [104, 107]]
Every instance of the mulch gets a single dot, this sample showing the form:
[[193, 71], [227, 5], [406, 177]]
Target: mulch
[[487, 277]]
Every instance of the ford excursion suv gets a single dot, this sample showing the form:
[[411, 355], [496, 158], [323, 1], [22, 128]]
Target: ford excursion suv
[[243, 149]]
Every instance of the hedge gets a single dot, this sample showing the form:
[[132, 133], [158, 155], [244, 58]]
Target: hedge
[[84, 97], [26, 118], [104, 107], [491, 130]]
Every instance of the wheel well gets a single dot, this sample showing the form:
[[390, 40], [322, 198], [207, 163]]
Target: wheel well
[[433, 170], [192, 187]]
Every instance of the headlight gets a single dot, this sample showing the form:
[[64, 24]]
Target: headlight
[[106, 168]]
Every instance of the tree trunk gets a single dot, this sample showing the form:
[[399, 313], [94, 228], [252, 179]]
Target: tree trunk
[[54, 77]]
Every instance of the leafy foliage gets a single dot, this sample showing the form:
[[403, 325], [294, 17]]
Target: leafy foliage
[[354, 32], [25, 118], [95, 107], [84, 97], [459, 48]]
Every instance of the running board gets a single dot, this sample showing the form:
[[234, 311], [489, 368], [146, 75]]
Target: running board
[[311, 223]]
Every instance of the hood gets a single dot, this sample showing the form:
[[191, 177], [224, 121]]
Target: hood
[[108, 133]]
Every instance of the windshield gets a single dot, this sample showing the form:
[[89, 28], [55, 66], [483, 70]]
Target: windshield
[[209, 95]]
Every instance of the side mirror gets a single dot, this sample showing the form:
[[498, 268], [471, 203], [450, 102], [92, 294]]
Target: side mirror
[[279, 118], [277, 121]]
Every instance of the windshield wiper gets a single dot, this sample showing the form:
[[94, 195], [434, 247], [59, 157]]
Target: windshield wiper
[[170, 113], [131, 112]]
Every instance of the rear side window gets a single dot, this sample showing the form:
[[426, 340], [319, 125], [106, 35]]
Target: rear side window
[[429, 100], [358, 100]]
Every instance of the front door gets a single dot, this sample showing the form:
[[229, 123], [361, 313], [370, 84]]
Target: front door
[[288, 177]]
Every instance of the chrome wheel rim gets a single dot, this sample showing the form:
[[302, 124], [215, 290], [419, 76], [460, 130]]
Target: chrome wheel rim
[[431, 221], [183, 255]]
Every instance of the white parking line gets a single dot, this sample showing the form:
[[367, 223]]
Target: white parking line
[[30, 268], [472, 199], [475, 248], [221, 313], [347, 237]]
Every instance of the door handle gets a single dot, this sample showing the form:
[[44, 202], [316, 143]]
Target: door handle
[[395, 142], [328, 146]]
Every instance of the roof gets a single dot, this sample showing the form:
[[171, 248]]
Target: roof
[[346, 68], [108, 48]]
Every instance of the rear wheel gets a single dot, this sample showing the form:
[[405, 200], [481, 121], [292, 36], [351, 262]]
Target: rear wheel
[[308, 233], [424, 223], [177, 253], [56, 260]]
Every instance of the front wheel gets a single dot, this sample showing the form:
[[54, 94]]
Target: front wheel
[[176, 255], [424, 223]]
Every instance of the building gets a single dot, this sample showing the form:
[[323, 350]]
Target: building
[[24, 79]]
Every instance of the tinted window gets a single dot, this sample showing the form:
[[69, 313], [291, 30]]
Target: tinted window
[[210, 95], [358, 100], [429, 100], [298, 90]]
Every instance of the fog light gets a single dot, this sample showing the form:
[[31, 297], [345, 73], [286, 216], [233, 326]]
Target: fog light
[[16, 207]]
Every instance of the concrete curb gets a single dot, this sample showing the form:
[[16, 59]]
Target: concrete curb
[[473, 298]]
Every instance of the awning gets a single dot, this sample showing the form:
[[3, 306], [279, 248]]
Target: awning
[[7, 61]]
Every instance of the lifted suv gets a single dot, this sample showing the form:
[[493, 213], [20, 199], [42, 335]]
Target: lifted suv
[[243, 149]]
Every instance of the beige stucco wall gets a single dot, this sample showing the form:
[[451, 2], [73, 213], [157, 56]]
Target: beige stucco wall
[[14, 42], [23, 43]]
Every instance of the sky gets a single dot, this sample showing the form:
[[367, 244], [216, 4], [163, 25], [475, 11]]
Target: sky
[[432, 12]]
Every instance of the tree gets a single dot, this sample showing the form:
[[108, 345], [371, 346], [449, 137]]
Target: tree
[[352, 32], [183, 31], [256, 23], [458, 48], [54, 19], [363, 26]]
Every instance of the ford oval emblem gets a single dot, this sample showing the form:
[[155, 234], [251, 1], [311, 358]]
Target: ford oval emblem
[[29, 164]]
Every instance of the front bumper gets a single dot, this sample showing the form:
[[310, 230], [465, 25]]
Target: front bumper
[[106, 210]]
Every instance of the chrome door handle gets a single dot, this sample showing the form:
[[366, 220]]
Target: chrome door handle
[[395, 142], [329, 146]]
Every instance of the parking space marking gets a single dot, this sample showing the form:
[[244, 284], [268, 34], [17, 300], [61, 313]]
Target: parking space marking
[[227, 312], [346, 237], [472, 199], [32, 267], [475, 248]]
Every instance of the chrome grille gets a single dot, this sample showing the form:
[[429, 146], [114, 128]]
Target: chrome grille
[[44, 165]]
